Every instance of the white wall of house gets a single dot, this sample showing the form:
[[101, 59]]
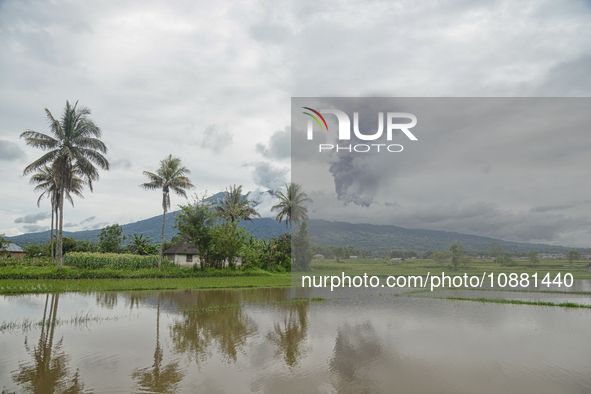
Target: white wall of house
[[181, 259]]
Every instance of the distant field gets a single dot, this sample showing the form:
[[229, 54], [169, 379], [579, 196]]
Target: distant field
[[41, 277], [384, 267]]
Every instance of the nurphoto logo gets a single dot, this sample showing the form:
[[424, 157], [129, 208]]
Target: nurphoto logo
[[344, 130]]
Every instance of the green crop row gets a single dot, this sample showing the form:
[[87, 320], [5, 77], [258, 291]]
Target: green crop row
[[114, 261]]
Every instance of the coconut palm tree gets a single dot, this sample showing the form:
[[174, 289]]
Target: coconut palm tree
[[170, 175], [46, 184], [236, 206], [74, 146], [291, 204]]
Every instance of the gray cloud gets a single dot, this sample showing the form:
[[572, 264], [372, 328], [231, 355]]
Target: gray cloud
[[96, 226], [268, 176], [271, 33], [120, 163], [70, 224], [87, 220], [242, 68], [562, 207], [279, 146], [441, 182], [216, 138], [33, 228], [567, 78], [10, 151], [353, 180], [32, 219]]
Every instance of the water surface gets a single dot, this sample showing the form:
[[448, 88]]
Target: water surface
[[278, 341]]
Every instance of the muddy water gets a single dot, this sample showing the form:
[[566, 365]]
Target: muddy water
[[273, 341]]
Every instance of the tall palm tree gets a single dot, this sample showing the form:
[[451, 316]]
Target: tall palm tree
[[73, 146], [236, 206], [170, 175], [291, 204], [46, 184]]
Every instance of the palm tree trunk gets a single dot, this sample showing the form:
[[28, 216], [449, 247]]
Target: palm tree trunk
[[52, 215], [60, 228], [162, 239]]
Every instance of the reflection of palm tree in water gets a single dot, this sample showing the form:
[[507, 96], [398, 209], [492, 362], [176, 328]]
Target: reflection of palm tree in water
[[290, 336], [156, 378], [48, 373], [218, 319], [356, 351]]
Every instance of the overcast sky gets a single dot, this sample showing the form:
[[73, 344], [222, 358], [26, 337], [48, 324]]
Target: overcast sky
[[509, 168], [212, 82]]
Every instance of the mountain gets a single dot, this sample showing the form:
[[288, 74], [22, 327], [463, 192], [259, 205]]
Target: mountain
[[261, 228], [360, 236], [381, 237]]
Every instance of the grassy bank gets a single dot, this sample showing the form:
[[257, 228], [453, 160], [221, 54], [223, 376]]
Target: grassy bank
[[122, 272], [19, 286], [50, 272], [520, 302]]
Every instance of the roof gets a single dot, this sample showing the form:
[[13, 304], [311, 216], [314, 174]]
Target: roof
[[14, 248], [182, 248]]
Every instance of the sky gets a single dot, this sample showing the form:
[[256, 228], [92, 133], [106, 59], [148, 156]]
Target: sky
[[212, 82], [510, 168]]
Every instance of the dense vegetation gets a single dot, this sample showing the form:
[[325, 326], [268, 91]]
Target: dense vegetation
[[108, 266]]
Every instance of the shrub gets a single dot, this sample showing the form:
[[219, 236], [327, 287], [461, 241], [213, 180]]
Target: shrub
[[506, 261]]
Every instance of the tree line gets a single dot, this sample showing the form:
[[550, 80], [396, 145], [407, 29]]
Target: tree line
[[73, 155]]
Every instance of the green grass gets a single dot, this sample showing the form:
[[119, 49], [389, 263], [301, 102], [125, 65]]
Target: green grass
[[23, 272], [109, 266], [421, 267], [40, 276], [79, 319], [19, 286], [115, 272]]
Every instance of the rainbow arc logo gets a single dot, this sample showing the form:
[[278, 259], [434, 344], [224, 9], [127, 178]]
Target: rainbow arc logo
[[315, 118]]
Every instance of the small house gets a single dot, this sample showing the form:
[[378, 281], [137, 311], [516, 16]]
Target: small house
[[319, 256], [187, 255], [183, 253], [14, 251]]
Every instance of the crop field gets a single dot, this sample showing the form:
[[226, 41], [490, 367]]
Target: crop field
[[382, 267], [114, 261]]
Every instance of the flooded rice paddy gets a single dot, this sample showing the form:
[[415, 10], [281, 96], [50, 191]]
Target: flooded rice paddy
[[293, 341]]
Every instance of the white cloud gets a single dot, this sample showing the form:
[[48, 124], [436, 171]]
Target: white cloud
[[11, 232]]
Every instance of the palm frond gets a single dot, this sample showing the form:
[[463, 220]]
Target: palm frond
[[90, 143], [92, 156], [39, 140], [44, 160]]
